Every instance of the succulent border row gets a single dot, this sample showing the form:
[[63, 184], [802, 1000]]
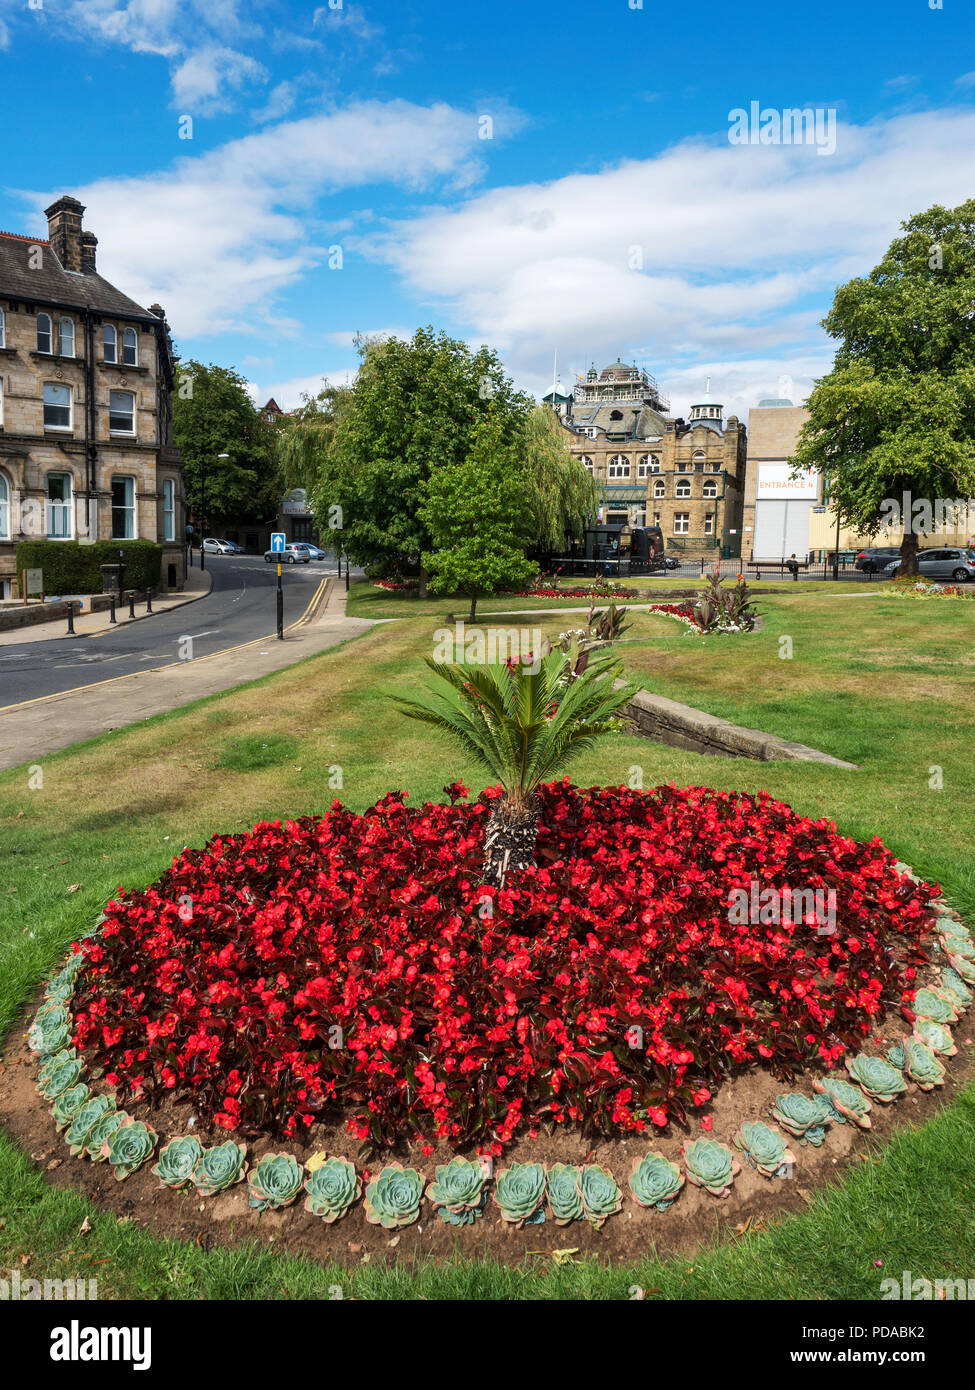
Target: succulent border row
[[93, 1126]]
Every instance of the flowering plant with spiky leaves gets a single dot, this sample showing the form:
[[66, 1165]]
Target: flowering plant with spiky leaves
[[804, 1117], [220, 1167], [847, 1102], [922, 1066], [129, 1147], [519, 1192], [177, 1161], [710, 1165], [600, 1194], [392, 1198], [457, 1193], [78, 1134], [655, 1181], [275, 1181], [876, 1077], [764, 1149], [562, 1190], [332, 1188]]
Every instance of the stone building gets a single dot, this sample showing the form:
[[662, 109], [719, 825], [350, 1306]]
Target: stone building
[[86, 382], [685, 476]]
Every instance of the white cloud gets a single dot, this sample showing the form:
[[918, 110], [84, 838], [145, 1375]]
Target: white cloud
[[741, 246], [208, 80], [217, 237]]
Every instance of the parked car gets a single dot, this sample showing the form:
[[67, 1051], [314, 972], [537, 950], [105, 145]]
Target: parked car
[[314, 551], [212, 546], [290, 555], [672, 562], [877, 557], [956, 563], [234, 548]]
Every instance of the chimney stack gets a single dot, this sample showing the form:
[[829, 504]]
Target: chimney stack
[[64, 231], [88, 243]]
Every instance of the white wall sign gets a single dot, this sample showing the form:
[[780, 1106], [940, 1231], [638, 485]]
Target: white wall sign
[[295, 504], [775, 480]]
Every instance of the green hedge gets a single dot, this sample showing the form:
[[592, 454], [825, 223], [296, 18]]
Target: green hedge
[[71, 568]]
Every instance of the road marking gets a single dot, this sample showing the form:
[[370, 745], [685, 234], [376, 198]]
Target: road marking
[[132, 675]]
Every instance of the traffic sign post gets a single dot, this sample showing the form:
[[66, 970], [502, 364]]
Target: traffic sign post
[[278, 541]]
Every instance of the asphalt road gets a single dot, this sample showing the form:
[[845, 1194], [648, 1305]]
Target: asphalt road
[[239, 608]]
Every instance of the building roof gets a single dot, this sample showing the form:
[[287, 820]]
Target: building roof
[[638, 421], [773, 402], [50, 284]]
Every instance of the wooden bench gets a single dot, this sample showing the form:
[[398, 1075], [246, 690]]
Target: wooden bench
[[780, 565]]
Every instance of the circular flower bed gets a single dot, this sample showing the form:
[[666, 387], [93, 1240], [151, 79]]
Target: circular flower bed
[[357, 962]]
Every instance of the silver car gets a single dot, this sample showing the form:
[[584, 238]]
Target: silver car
[[290, 555], [956, 562]]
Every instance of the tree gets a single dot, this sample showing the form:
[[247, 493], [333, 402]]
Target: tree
[[478, 515], [523, 724], [213, 414], [564, 494], [306, 436], [896, 415], [412, 412]]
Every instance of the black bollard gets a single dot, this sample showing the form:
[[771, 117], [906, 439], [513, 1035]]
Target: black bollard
[[131, 603], [71, 619], [148, 600], [111, 609]]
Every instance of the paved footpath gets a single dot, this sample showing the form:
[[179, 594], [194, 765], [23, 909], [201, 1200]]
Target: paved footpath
[[36, 727], [198, 585]]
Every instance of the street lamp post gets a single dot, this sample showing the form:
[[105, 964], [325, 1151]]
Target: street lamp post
[[203, 505]]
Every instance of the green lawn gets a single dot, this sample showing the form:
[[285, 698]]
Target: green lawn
[[883, 682]]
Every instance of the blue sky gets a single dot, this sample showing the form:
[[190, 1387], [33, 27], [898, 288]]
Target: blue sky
[[541, 176]]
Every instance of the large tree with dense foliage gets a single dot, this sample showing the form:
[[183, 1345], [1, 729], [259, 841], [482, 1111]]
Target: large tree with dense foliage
[[214, 414], [370, 454], [479, 516], [896, 415]]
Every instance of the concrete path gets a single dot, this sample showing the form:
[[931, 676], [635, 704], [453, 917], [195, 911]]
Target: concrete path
[[34, 728], [198, 585]]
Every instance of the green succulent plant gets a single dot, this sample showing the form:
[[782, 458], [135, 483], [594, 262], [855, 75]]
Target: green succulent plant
[[332, 1188], [962, 966], [51, 1030], [922, 1066], [393, 1197], [950, 926], [897, 1056], [764, 1149], [519, 1192], [458, 1193], [655, 1181], [710, 1165], [52, 1062], [78, 1133], [600, 1193], [935, 1004], [177, 1161], [68, 1103], [59, 1078], [101, 1131], [936, 1036], [562, 1190], [129, 1147], [220, 1167], [847, 1102], [275, 1181], [60, 988], [804, 1117], [959, 942], [955, 988], [876, 1077]]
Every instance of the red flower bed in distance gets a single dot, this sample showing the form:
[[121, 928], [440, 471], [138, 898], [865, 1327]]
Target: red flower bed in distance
[[356, 960]]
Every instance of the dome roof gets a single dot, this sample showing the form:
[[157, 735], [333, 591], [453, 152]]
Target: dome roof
[[618, 368]]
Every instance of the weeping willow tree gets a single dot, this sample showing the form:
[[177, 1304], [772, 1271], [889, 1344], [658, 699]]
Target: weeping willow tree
[[306, 438], [564, 494]]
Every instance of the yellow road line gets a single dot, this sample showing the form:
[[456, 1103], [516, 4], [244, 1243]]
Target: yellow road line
[[133, 675]]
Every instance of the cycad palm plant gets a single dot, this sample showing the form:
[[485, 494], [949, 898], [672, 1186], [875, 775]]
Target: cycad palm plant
[[523, 724]]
